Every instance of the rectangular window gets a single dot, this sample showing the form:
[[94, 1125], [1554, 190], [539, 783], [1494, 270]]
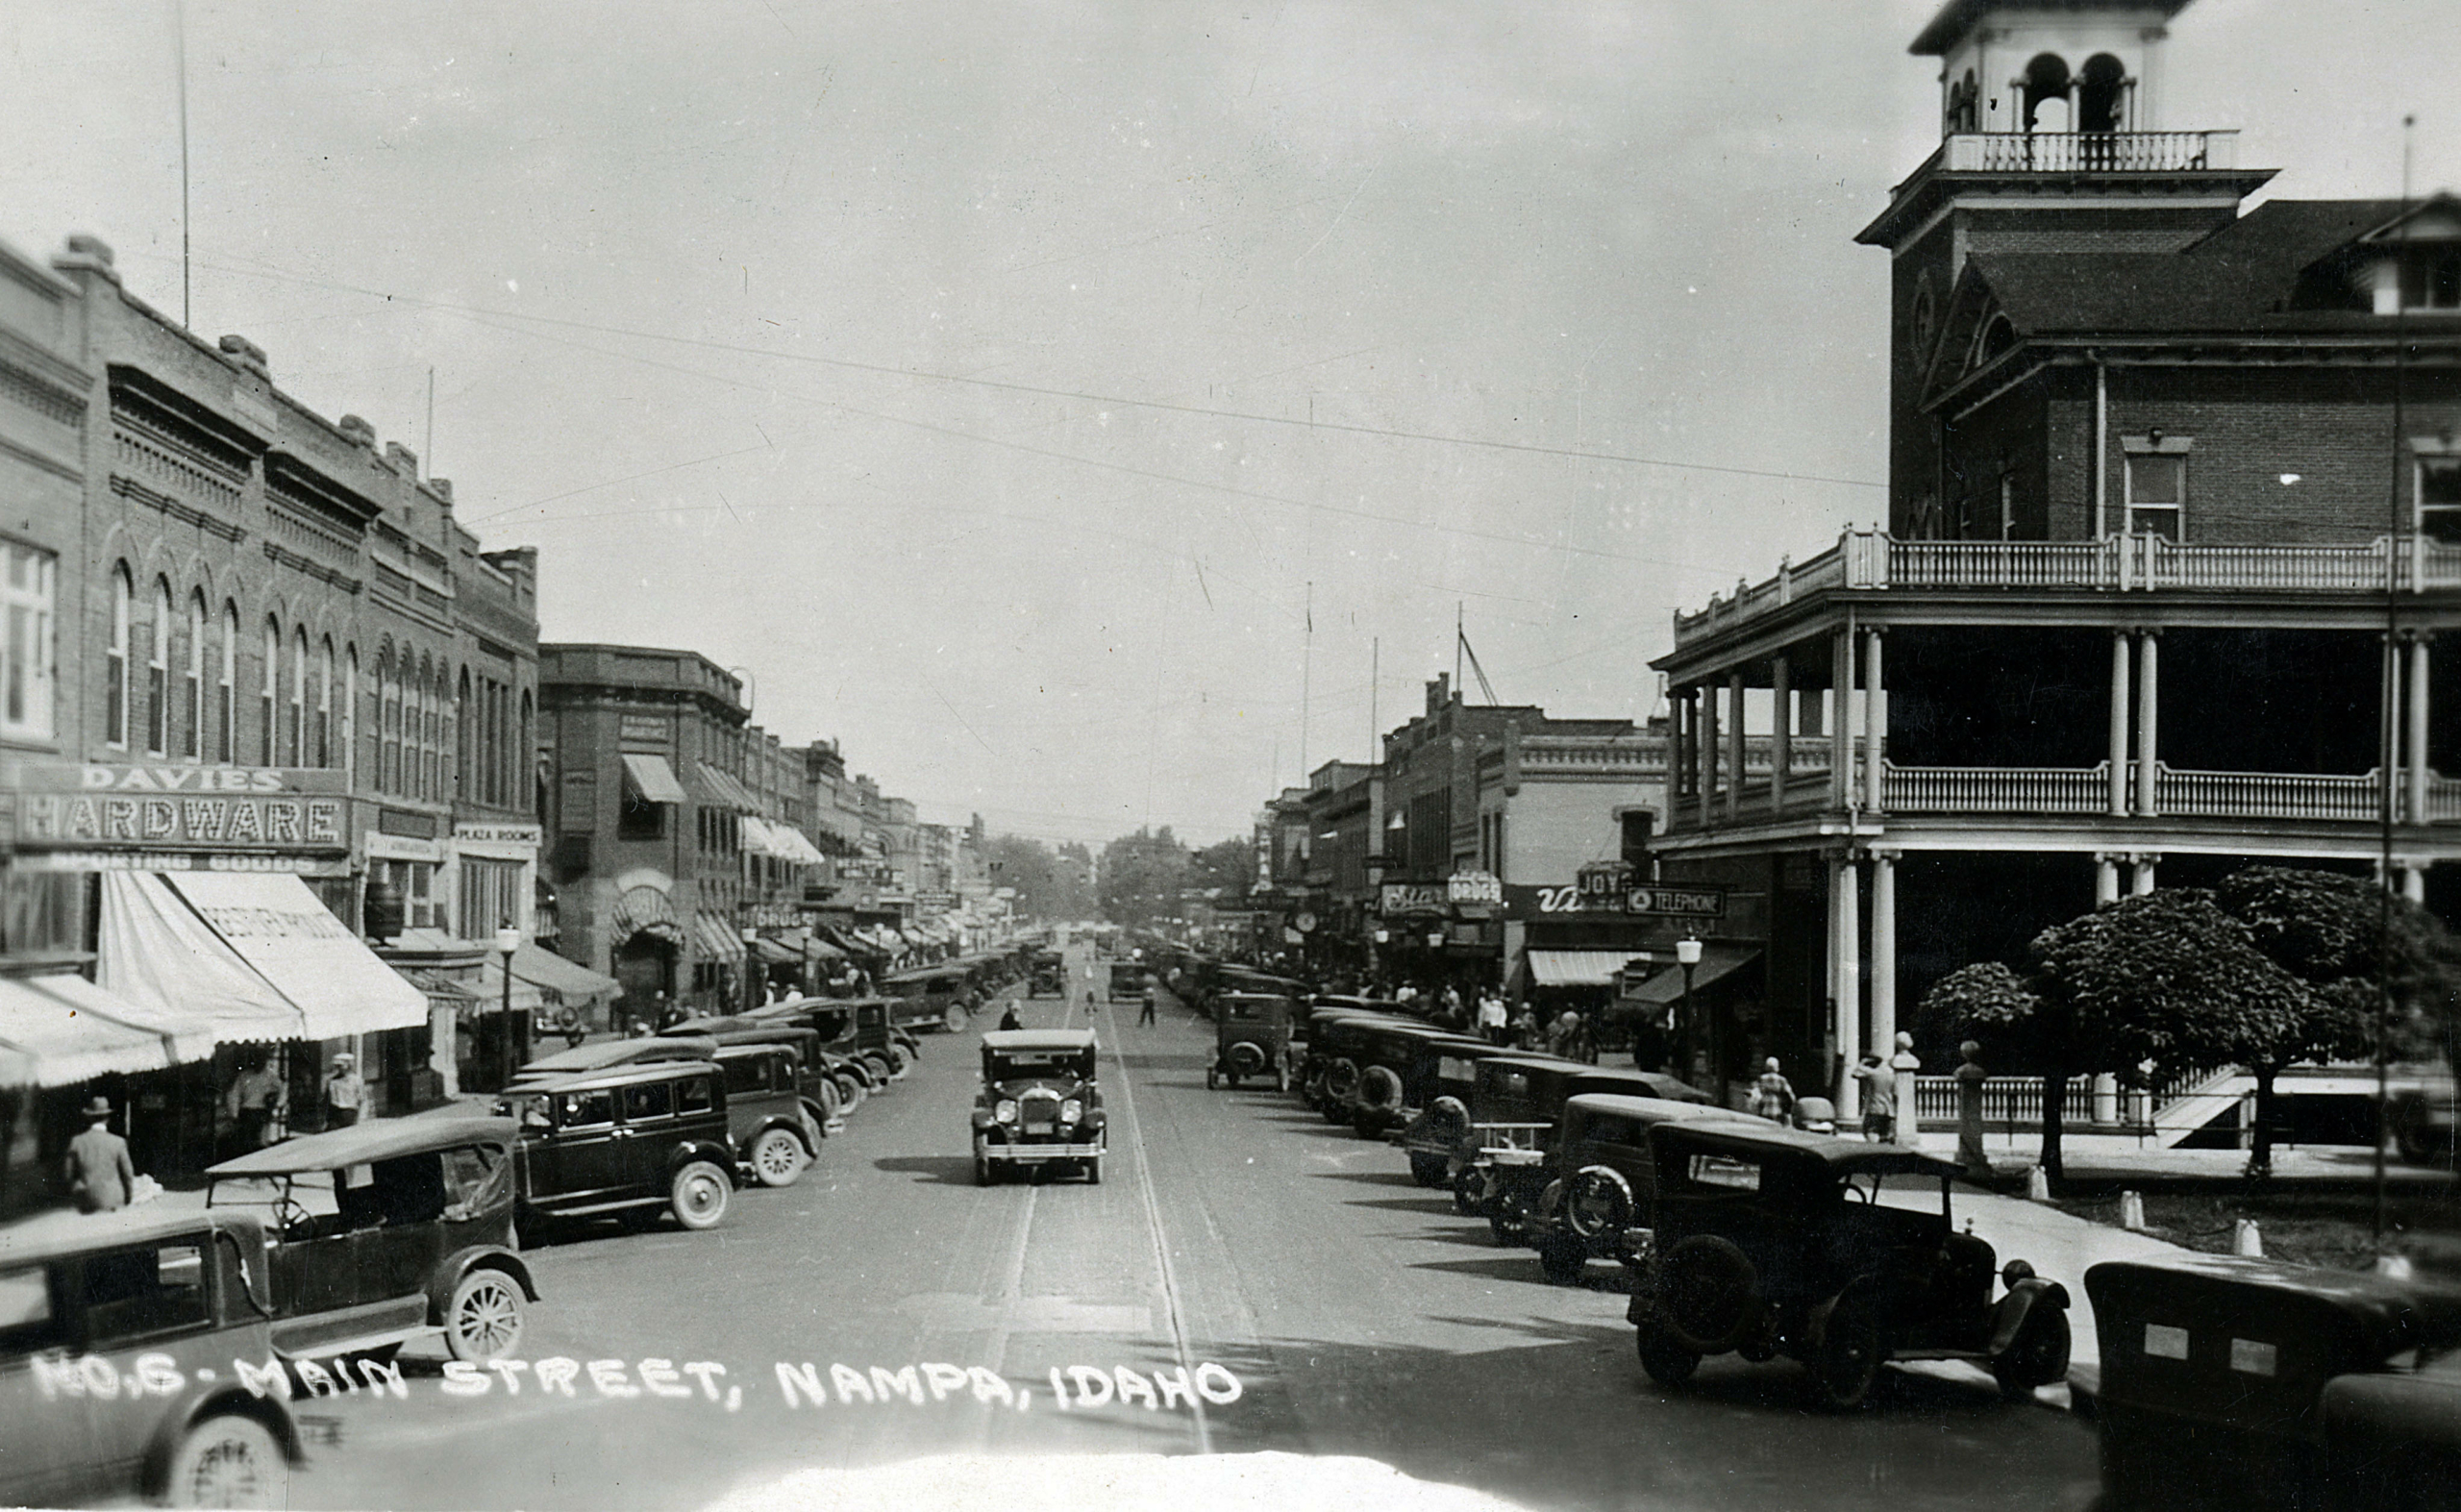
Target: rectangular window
[[130, 1294], [2157, 493], [25, 643], [647, 1100], [489, 898], [2431, 278], [2440, 498], [415, 882], [158, 683]]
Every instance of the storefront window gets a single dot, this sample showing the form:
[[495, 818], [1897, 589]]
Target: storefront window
[[25, 643], [489, 896], [41, 911], [415, 882]]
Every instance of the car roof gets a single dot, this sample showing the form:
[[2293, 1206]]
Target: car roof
[[65, 1233], [1755, 1138], [1524, 1061], [1038, 1039], [2392, 1312], [616, 1076], [1648, 1110], [583, 1059], [378, 1139]]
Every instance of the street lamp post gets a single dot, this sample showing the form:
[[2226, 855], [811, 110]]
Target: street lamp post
[[1687, 955], [507, 941], [751, 975]]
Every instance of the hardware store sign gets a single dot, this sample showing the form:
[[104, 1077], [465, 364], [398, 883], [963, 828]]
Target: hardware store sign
[[180, 807]]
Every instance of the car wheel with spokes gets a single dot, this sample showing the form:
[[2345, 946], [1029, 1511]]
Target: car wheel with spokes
[[1710, 1291], [229, 1460], [1847, 1357], [699, 1195], [483, 1319], [777, 1158]]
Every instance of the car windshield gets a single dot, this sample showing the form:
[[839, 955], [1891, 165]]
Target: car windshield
[[1019, 1064], [1705, 1171]]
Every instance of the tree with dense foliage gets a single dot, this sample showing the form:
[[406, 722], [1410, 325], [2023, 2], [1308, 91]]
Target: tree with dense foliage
[[1143, 876], [1050, 885], [1226, 869]]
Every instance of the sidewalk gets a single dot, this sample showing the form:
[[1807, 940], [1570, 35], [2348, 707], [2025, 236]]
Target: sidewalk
[[2124, 1160]]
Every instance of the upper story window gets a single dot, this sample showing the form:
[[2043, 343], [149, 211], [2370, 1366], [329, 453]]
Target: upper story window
[[2431, 276], [192, 681], [226, 689], [115, 661], [269, 724], [2157, 485], [157, 673], [26, 589], [2439, 491]]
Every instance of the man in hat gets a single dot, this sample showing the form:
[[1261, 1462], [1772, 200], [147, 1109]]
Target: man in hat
[[345, 1094], [100, 1174], [256, 1102]]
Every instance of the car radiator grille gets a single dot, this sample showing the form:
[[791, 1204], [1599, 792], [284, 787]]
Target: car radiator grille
[[1038, 1113]]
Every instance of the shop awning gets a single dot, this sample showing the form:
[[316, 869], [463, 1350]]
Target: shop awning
[[68, 1030], [776, 953], [526, 995], [729, 793], [806, 854], [821, 949], [277, 925], [652, 778], [1717, 962], [569, 981], [715, 939], [1592, 968], [440, 985], [757, 838], [153, 951]]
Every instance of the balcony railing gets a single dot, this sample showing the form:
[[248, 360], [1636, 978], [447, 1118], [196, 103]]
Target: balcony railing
[[2176, 794], [1872, 560], [1995, 790], [2089, 152]]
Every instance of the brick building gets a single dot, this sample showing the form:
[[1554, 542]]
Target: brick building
[[2174, 517]]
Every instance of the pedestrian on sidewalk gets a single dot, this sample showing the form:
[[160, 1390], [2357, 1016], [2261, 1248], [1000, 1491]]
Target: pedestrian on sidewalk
[[1145, 1015], [1773, 1096], [345, 1094], [1880, 1099], [1969, 1079], [255, 1103], [1491, 1019], [1009, 1020], [100, 1178]]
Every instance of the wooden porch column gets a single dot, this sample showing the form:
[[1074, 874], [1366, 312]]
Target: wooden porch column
[[1708, 743], [1883, 1036], [2105, 878], [1781, 734], [2142, 883], [2148, 715], [1735, 746], [1846, 946], [2121, 693], [1677, 700], [2416, 755], [1874, 720], [1841, 734]]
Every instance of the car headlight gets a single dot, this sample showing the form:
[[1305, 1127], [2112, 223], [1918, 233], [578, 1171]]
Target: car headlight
[[1071, 1111], [1007, 1111]]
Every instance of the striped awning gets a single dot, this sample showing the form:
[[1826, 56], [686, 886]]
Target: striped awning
[[726, 791], [715, 939], [652, 778], [64, 1030]]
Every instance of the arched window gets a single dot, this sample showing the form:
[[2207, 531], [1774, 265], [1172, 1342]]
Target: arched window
[[1998, 337], [158, 672], [226, 690], [428, 788], [2102, 94], [525, 759], [297, 747], [389, 697], [2045, 85], [192, 683], [350, 713], [268, 696], [462, 737], [115, 659], [325, 701]]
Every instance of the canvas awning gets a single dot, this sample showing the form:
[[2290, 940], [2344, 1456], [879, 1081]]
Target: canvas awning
[[715, 939], [1717, 962], [652, 778], [1590, 968], [758, 840], [778, 953], [526, 995], [293, 940], [729, 793], [65, 1031], [570, 980], [152, 949]]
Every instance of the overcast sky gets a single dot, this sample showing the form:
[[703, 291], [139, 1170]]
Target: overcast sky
[[950, 367]]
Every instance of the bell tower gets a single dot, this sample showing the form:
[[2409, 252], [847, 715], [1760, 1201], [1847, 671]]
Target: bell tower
[[2052, 140]]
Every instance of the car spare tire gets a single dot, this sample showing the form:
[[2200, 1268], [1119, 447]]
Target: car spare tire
[[1708, 1292], [1379, 1089], [1599, 1202], [1341, 1079], [1247, 1058], [1447, 1121]]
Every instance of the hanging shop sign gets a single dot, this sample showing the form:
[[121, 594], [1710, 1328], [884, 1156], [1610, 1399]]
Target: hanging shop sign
[[1473, 887], [178, 808], [1694, 901], [1396, 899]]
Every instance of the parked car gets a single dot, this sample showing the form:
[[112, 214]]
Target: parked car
[[1049, 978], [1335, 1038], [1447, 1083], [858, 1028], [385, 1232], [626, 1142], [1397, 1066], [1250, 1038], [159, 1302], [822, 1097], [927, 998], [774, 1134], [1767, 1241], [1126, 981], [1601, 1179], [1040, 1104], [1501, 1169], [2254, 1383]]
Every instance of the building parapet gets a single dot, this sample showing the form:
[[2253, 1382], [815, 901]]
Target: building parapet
[[2087, 152]]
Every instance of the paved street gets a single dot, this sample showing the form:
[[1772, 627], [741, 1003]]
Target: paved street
[[1356, 1314]]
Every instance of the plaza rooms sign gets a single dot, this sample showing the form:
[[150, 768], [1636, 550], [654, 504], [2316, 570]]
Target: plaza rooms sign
[[100, 806]]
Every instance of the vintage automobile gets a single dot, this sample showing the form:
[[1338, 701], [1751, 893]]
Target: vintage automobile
[[1040, 1104], [1250, 1038], [927, 998], [627, 1141], [1499, 1169], [160, 1303], [2255, 1383], [1126, 981], [608, 1054], [854, 1029], [1434, 1132], [768, 1122], [1047, 977], [1841, 1254], [385, 1232], [815, 1081], [1397, 1065], [1328, 1079], [1601, 1179]]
